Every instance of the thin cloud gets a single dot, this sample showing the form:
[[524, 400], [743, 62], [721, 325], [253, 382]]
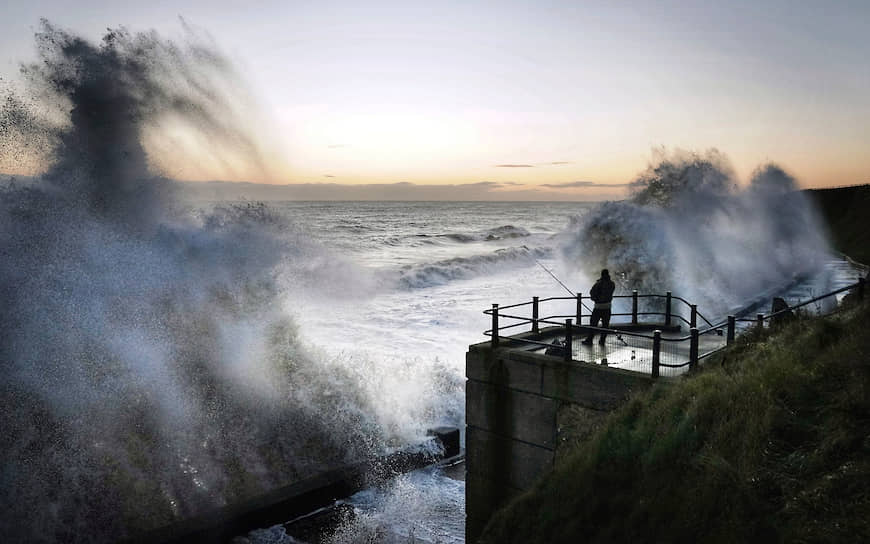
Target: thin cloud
[[514, 166], [328, 176], [583, 184], [398, 191], [337, 146], [555, 163]]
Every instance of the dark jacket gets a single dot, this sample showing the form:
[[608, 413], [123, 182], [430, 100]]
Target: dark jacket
[[602, 291]]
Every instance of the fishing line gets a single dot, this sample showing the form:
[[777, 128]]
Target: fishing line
[[562, 284], [557, 279]]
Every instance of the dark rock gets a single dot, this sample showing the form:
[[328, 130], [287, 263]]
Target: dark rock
[[786, 315], [557, 348]]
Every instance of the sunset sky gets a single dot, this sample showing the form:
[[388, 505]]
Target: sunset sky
[[526, 94]]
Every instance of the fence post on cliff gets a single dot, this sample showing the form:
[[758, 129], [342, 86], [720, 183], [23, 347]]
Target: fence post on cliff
[[494, 326], [569, 340], [693, 349], [657, 353], [579, 308], [693, 322], [668, 308], [634, 307], [759, 320], [729, 338], [535, 314]]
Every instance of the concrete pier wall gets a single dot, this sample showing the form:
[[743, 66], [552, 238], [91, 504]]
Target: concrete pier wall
[[514, 402]]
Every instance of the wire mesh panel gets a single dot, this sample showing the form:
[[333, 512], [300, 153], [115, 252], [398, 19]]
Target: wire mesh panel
[[710, 340], [620, 350], [673, 357]]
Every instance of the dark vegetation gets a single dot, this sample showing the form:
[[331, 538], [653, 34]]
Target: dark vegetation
[[770, 442], [845, 210]]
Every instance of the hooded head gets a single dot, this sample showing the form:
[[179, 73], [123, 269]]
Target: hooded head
[[605, 274]]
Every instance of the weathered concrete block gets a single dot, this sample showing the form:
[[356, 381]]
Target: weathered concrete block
[[498, 367], [449, 438], [516, 400], [503, 460], [478, 362], [591, 385], [516, 414]]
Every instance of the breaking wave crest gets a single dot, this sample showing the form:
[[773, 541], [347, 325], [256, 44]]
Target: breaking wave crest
[[504, 232], [461, 268], [690, 228]]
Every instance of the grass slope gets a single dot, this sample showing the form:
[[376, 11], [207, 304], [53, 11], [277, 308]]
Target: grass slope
[[846, 210], [770, 442]]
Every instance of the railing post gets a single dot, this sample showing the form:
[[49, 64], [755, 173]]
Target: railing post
[[694, 320], [693, 349], [731, 326], [668, 309], [569, 340], [634, 307], [579, 308], [861, 282], [657, 353], [535, 314], [759, 319], [494, 326]]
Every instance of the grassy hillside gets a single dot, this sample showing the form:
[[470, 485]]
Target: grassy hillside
[[770, 442], [847, 213]]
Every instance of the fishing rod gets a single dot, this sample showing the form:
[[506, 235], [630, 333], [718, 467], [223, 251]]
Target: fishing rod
[[618, 336], [573, 294]]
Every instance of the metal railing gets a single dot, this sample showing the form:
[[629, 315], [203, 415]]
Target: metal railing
[[667, 355]]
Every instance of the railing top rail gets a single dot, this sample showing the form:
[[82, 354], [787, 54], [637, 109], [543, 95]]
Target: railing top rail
[[812, 300], [496, 312], [488, 311]]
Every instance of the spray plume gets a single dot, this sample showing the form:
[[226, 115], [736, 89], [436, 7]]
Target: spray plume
[[149, 370], [689, 227]]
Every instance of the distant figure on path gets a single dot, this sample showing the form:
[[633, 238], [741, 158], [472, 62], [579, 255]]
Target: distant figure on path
[[602, 295]]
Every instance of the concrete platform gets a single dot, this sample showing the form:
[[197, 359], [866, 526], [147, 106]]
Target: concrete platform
[[630, 350]]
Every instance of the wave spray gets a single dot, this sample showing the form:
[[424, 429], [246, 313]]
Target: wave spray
[[150, 371], [689, 227]]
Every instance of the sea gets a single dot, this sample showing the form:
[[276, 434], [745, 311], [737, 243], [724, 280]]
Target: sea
[[405, 318]]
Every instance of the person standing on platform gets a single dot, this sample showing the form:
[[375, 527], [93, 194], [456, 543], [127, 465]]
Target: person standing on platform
[[602, 295]]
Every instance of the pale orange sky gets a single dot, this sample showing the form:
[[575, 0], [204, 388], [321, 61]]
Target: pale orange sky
[[449, 93]]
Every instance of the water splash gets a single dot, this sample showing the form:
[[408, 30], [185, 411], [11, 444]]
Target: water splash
[[689, 227], [150, 369]]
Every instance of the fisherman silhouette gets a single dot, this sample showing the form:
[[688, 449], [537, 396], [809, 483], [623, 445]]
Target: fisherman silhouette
[[602, 295]]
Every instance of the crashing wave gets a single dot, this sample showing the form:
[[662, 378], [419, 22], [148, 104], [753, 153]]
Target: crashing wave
[[150, 372], [690, 228]]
